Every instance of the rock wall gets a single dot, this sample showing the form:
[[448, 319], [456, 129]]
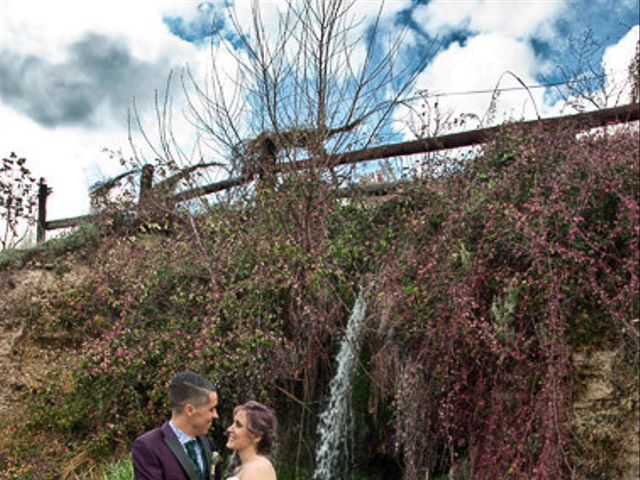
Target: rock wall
[[29, 353], [606, 417]]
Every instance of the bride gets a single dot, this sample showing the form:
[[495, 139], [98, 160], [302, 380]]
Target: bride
[[252, 436]]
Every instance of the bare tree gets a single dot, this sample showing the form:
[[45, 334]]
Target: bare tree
[[311, 81], [588, 83]]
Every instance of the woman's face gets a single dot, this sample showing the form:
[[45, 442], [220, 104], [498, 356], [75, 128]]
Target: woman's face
[[239, 436]]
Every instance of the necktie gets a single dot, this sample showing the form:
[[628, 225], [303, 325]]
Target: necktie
[[191, 451]]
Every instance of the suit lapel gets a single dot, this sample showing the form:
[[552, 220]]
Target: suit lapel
[[175, 447], [206, 451]]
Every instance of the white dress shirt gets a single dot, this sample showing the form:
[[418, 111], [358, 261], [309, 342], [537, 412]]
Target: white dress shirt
[[184, 438]]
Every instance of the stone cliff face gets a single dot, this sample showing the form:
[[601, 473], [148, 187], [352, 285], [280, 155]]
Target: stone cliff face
[[31, 347], [606, 417]]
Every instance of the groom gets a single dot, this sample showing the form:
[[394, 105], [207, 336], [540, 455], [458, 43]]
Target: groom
[[180, 450]]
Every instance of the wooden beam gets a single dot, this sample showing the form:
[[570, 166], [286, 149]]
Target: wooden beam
[[210, 188], [599, 118], [146, 184], [68, 222], [623, 114]]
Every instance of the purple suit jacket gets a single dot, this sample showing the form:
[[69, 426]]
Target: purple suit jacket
[[158, 455]]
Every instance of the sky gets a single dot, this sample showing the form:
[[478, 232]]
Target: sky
[[71, 69]]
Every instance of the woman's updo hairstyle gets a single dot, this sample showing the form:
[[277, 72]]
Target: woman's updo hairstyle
[[261, 422]]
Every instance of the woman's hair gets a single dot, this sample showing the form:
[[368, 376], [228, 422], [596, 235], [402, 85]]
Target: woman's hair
[[261, 422]]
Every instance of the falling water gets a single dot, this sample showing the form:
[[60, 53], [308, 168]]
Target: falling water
[[335, 421]]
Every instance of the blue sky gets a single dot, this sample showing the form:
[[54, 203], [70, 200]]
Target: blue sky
[[70, 68]]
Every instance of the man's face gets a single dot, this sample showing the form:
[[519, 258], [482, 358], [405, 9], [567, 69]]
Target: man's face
[[201, 417]]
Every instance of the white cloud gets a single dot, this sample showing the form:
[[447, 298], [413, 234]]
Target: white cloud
[[616, 89], [67, 158], [513, 18], [499, 43], [365, 14], [368, 11], [615, 62], [70, 158], [479, 64], [49, 27]]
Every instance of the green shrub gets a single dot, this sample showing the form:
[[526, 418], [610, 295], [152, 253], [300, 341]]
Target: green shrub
[[481, 283]]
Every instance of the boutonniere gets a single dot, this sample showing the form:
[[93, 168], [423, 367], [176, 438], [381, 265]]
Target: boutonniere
[[216, 458]]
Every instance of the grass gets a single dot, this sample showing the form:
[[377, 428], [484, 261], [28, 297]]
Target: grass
[[121, 470], [118, 470], [87, 234]]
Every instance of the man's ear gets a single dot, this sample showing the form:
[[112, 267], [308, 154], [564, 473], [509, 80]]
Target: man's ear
[[189, 409]]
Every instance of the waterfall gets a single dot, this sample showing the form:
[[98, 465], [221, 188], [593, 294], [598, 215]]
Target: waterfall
[[335, 421]]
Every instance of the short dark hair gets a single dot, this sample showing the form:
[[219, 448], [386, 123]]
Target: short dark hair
[[261, 421], [189, 387]]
